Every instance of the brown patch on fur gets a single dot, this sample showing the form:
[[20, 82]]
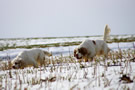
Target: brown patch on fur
[[101, 52], [86, 59], [83, 51], [74, 52], [94, 42]]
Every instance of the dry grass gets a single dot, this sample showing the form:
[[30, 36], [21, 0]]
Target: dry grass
[[8, 45], [60, 70]]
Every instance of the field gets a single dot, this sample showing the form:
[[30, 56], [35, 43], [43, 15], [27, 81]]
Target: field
[[63, 72]]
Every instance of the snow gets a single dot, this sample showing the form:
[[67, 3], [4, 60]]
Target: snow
[[56, 51], [23, 42], [69, 75]]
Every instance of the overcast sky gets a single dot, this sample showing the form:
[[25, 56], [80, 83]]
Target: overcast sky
[[53, 18]]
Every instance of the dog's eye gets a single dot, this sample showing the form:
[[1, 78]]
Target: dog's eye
[[79, 50]]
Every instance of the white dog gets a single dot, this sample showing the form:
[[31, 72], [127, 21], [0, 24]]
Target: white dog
[[90, 48], [33, 57]]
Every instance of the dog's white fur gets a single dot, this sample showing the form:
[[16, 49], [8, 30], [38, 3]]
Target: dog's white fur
[[90, 48], [33, 57]]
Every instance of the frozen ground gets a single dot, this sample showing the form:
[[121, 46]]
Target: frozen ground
[[37, 41], [64, 72], [68, 74], [56, 51], [65, 50], [25, 41]]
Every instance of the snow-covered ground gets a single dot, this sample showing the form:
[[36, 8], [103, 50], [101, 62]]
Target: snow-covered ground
[[56, 51], [32, 41], [68, 74], [65, 50], [23, 42]]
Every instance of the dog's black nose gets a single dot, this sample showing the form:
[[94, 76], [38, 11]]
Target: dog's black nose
[[13, 67]]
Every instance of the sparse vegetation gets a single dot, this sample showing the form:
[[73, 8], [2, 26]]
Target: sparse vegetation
[[114, 38], [66, 72]]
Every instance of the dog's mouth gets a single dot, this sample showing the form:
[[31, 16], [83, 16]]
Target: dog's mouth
[[78, 56]]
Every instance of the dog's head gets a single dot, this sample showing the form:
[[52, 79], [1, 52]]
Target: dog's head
[[17, 63], [80, 52]]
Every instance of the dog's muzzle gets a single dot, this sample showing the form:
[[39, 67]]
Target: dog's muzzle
[[78, 56], [15, 66]]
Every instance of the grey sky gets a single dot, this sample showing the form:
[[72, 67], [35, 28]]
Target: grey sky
[[50, 18]]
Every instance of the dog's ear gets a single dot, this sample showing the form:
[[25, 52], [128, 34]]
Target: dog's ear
[[83, 51], [75, 52]]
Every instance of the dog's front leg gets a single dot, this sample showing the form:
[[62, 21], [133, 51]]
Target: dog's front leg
[[35, 64], [86, 59]]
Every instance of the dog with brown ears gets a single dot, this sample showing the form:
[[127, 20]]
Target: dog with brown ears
[[90, 48]]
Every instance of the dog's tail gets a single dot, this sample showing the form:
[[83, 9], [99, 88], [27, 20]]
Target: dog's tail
[[107, 30], [47, 53]]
